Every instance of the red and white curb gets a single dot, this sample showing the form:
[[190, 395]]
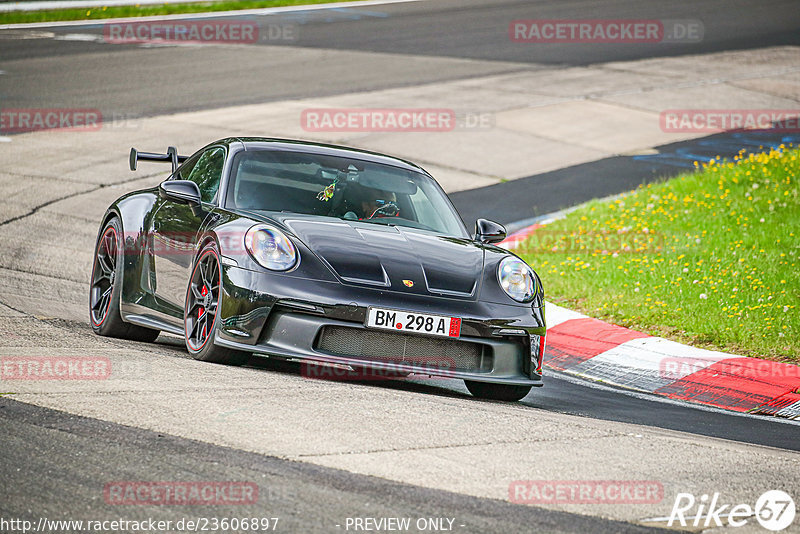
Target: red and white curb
[[595, 350]]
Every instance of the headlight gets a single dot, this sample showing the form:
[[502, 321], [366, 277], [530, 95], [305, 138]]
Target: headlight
[[516, 279], [270, 247]]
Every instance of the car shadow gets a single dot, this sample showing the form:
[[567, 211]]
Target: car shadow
[[442, 388], [423, 384]]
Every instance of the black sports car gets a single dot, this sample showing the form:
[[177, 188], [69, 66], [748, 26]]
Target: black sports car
[[322, 254]]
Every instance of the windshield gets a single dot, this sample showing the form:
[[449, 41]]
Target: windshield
[[340, 187]]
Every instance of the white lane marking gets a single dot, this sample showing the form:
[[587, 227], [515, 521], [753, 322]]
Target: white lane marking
[[78, 37], [23, 34], [184, 45], [5, 139], [239, 13], [692, 517]]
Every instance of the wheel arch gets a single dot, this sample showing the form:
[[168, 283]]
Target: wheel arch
[[110, 214], [206, 238], [132, 211]]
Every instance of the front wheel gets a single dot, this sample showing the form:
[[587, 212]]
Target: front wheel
[[501, 392], [201, 311], [106, 287]]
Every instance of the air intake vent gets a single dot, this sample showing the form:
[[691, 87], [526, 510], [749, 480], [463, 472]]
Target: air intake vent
[[419, 351]]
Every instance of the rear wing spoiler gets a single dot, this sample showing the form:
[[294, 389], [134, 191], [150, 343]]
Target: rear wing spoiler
[[171, 156]]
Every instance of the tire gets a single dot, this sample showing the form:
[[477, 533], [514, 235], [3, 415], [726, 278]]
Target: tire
[[203, 298], [105, 288], [501, 392]]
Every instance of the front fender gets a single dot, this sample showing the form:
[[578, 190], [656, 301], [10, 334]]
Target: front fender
[[134, 211]]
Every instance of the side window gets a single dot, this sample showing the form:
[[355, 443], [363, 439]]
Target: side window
[[186, 169], [206, 172]]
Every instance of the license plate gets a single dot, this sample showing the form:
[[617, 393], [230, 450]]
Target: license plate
[[421, 323]]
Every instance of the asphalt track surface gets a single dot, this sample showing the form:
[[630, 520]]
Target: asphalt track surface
[[567, 395], [130, 80], [83, 453], [79, 455]]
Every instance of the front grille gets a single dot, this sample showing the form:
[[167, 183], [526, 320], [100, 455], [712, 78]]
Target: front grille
[[419, 351]]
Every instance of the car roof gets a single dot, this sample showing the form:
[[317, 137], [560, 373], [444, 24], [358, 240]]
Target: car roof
[[310, 147]]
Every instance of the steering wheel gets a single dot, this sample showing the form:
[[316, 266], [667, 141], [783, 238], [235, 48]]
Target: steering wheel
[[389, 209]]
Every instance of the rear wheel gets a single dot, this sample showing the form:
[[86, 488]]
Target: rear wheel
[[201, 311], [106, 287], [501, 392]]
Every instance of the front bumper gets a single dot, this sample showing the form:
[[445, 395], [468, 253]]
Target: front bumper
[[322, 321]]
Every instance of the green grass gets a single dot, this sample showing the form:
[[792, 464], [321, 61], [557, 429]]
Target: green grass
[[15, 17], [708, 258]]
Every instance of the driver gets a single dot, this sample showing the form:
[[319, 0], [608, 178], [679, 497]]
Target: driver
[[372, 203], [382, 204]]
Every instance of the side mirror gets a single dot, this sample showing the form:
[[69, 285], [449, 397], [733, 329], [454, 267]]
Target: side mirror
[[183, 191], [489, 231]]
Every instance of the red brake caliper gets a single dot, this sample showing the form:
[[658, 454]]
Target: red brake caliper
[[201, 311]]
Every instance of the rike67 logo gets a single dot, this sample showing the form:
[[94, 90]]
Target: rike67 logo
[[774, 510]]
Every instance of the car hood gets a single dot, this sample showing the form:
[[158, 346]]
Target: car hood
[[392, 257]]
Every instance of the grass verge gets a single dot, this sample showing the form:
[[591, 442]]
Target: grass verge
[[708, 258], [19, 17]]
